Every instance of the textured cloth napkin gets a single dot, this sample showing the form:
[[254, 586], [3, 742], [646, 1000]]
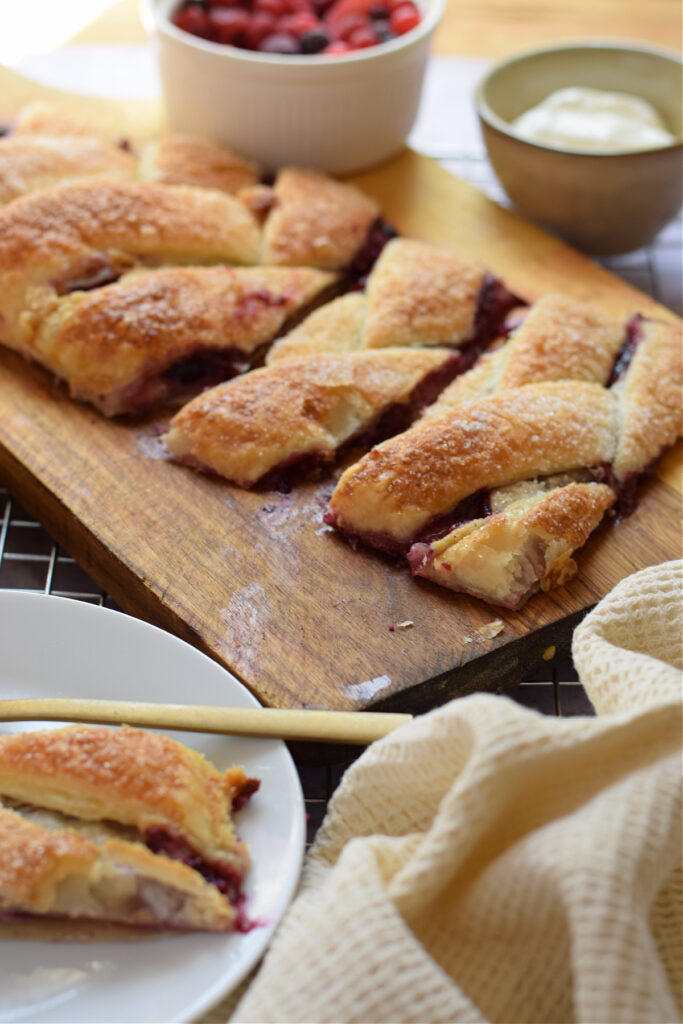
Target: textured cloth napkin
[[488, 863]]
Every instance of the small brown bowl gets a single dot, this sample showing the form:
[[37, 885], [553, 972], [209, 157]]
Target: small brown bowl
[[604, 203]]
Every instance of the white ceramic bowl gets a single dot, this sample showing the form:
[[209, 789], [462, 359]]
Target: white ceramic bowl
[[337, 114]]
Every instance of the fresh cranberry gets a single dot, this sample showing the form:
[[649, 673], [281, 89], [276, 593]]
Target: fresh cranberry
[[336, 48], [363, 37], [300, 6], [261, 24], [228, 23], [275, 7], [314, 42], [344, 28], [298, 24], [341, 9], [193, 19], [404, 18], [280, 42]]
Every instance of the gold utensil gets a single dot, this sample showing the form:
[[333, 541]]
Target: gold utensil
[[355, 727]]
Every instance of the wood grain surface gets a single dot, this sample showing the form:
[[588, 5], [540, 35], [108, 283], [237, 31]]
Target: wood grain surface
[[255, 579]]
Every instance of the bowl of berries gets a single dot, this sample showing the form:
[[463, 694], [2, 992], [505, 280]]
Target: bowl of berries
[[329, 84]]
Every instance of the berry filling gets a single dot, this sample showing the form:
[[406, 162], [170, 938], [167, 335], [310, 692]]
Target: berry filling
[[203, 369], [495, 302], [298, 27], [634, 336], [379, 233], [392, 421], [225, 877]]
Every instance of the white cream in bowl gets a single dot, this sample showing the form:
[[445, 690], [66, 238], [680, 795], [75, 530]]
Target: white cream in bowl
[[593, 120]]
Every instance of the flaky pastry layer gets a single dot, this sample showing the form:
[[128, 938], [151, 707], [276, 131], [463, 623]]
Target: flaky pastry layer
[[297, 410], [59, 872]]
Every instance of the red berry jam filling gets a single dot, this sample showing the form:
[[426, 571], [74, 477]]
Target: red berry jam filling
[[298, 27], [224, 876], [392, 421], [379, 233], [633, 338], [494, 305]]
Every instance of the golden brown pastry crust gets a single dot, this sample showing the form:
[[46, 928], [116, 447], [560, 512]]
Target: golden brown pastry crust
[[335, 327], [42, 118], [421, 294], [186, 160], [59, 236], [296, 409], [130, 776], [109, 342], [57, 871], [527, 546], [32, 162], [559, 339], [395, 490], [315, 221], [649, 399]]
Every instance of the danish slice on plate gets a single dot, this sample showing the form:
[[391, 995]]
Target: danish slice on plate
[[119, 825], [297, 413]]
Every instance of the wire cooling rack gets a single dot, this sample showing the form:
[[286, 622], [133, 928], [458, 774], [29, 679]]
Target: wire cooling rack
[[31, 560]]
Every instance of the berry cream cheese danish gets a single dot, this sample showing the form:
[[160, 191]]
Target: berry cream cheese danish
[[162, 335], [441, 492], [298, 413], [119, 825], [312, 220], [418, 294]]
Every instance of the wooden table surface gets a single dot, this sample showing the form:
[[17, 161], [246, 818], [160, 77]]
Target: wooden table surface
[[484, 28]]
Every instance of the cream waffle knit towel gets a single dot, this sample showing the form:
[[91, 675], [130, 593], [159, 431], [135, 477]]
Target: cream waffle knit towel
[[487, 863]]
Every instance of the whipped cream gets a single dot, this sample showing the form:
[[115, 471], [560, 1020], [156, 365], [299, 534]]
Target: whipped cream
[[592, 120]]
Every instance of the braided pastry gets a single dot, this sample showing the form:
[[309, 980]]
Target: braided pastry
[[121, 825], [433, 493], [299, 413]]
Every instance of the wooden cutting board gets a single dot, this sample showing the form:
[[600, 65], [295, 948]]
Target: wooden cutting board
[[256, 580]]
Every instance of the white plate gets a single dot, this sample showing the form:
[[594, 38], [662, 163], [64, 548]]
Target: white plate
[[52, 646]]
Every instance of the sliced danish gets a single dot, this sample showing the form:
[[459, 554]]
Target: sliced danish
[[313, 220], [523, 545], [161, 335], [418, 294], [297, 413], [186, 160], [145, 791], [56, 871], [417, 484]]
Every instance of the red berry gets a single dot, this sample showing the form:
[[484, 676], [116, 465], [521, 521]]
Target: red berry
[[362, 37], [345, 27], [298, 24], [336, 48], [228, 23], [299, 6], [261, 24], [341, 8], [223, 3], [403, 18], [193, 19], [275, 7]]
